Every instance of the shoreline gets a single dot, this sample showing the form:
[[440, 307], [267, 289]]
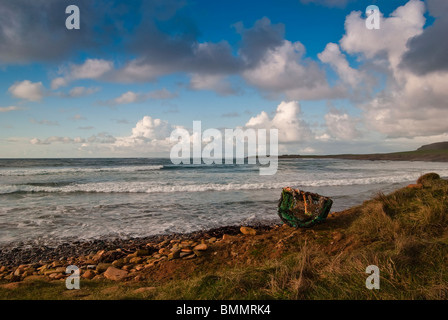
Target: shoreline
[[42, 254]]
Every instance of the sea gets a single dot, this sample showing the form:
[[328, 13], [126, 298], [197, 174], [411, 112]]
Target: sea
[[54, 201]]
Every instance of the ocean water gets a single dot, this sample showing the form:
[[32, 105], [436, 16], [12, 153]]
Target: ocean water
[[53, 201]]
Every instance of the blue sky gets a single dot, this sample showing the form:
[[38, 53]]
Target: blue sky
[[135, 71]]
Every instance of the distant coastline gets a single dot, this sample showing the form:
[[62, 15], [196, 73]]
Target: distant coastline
[[437, 152]]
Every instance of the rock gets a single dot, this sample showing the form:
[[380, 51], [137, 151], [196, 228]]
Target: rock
[[415, 186], [164, 251], [174, 255], [142, 252], [56, 264], [201, 247], [89, 274], [184, 254], [136, 260], [144, 290], [198, 253], [212, 240], [98, 255], [248, 231], [226, 237], [92, 266], [115, 274], [118, 263], [90, 262], [127, 267], [139, 267], [58, 276], [102, 267], [191, 256]]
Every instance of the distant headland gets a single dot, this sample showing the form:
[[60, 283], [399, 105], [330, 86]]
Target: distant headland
[[430, 152]]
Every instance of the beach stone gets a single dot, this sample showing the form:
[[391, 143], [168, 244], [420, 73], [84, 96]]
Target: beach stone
[[115, 274], [248, 231], [89, 274], [142, 252], [212, 240], [90, 262], [136, 260], [189, 257], [184, 254], [102, 267], [226, 237], [174, 255], [164, 251], [98, 255], [118, 263], [201, 247], [91, 266]]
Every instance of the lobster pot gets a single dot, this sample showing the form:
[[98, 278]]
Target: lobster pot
[[300, 209]]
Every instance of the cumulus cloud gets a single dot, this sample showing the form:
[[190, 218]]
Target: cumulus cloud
[[215, 83], [32, 91], [135, 97], [287, 119], [282, 70], [333, 56], [340, 125], [404, 23], [410, 105], [147, 131], [90, 69], [56, 139], [9, 109]]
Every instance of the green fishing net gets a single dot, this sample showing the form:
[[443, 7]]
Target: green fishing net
[[301, 209]]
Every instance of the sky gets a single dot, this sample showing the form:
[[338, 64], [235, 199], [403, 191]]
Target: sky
[[136, 70]]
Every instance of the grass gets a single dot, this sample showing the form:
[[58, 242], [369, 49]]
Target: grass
[[404, 233]]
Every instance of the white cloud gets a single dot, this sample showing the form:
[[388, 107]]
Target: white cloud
[[404, 23], [282, 70], [81, 92], [333, 56], [90, 69], [134, 97], [212, 82], [32, 91], [9, 109], [340, 126], [286, 119], [147, 132]]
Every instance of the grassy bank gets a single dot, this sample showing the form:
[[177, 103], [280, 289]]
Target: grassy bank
[[404, 233]]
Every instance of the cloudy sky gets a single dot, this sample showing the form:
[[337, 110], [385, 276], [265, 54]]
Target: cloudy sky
[[136, 70]]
